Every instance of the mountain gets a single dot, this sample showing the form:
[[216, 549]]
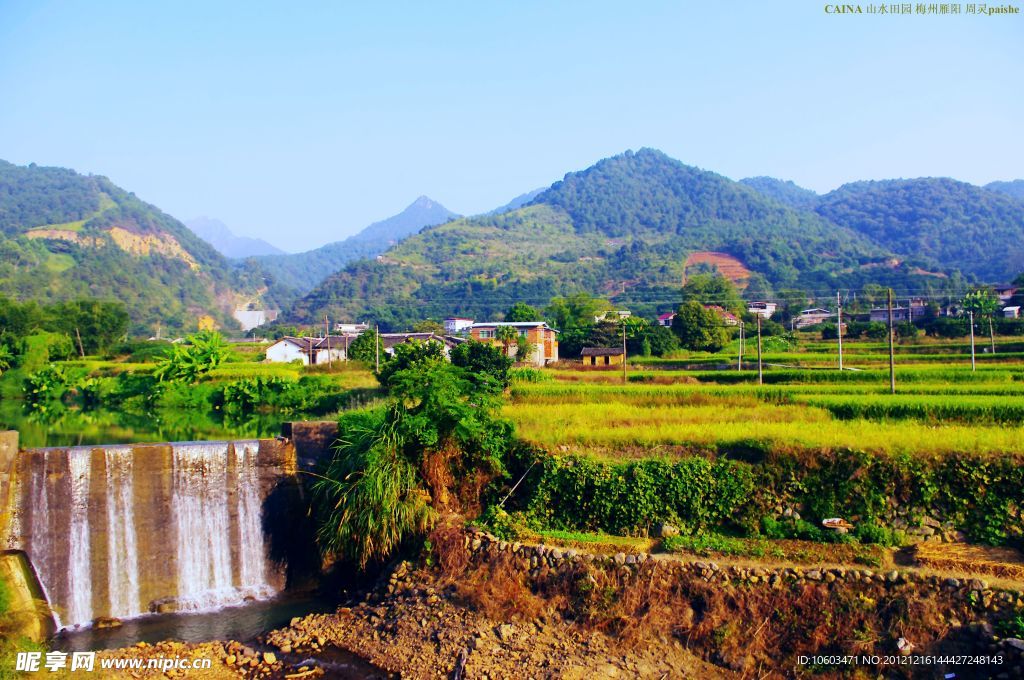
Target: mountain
[[937, 222], [217, 234], [517, 202], [624, 228], [1013, 188], [299, 273], [785, 192], [65, 235]]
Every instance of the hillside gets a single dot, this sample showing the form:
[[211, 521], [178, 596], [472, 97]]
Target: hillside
[[65, 235], [217, 234], [937, 222], [1014, 188], [299, 273], [622, 228], [785, 192]]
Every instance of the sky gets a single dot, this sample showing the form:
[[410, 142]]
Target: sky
[[301, 123]]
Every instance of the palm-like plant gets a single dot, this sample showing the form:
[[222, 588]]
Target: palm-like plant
[[506, 335]]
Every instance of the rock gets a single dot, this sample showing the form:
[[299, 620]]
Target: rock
[[248, 652], [952, 582], [107, 622], [269, 658], [666, 530], [905, 646], [813, 575], [505, 632], [230, 659], [1014, 643], [620, 558]]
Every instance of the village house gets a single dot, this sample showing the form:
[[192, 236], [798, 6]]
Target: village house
[[900, 314], [728, 318], [351, 328], [1005, 291], [543, 337], [389, 341], [602, 356], [1011, 312], [812, 317], [666, 319], [762, 309], [457, 325], [310, 351]]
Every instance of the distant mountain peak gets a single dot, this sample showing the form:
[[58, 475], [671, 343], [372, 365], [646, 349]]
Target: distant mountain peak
[[217, 234]]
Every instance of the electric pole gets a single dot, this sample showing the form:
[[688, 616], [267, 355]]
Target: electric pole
[[760, 367], [973, 364], [892, 350], [739, 359], [839, 328], [624, 379], [376, 347], [327, 338]]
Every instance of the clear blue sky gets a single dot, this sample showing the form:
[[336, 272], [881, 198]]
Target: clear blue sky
[[302, 122]]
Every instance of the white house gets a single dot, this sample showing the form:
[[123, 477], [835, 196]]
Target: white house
[[455, 325], [390, 340], [762, 309], [351, 328], [666, 319], [1011, 312], [812, 317], [310, 351], [613, 315]]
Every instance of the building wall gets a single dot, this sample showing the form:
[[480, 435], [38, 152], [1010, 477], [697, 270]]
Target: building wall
[[614, 360], [285, 352]]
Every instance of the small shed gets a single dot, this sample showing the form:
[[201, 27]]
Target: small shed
[[602, 356]]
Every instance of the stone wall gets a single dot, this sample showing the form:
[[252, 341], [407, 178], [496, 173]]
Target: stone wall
[[987, 603]]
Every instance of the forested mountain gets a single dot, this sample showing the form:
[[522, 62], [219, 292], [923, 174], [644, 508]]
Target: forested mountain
[[64, 235], [621, 228], [217, 234], [1013, 188], [299, 273], [786, 192], [936, 222]]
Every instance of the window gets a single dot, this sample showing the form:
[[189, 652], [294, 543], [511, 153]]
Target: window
[[485, 335], [523, 333]]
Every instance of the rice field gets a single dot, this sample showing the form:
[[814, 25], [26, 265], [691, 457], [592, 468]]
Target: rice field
[[940, 407]]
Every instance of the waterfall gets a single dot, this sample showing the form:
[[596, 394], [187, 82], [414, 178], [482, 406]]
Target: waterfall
[[200, 508], [251, 554], [79, 605], [41, 549], [122, 553]]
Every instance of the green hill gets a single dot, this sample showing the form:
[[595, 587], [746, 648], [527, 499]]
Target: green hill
[[785, 192], [1013, 188], [622, 228], [935, 222], [64, 235]]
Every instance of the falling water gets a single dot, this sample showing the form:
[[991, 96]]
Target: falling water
[[41, 549], [122, 554], [252, 564], [200, 508], [79, 607]]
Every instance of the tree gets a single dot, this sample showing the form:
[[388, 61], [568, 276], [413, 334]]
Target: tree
[[525, 350], [408, 356], [573, 311], [520, 311], [485, 363], [428, 326], [204, 351], [366, 348], [984, 304], [6, 358], [99, 323], [712, 289], [698, 328]]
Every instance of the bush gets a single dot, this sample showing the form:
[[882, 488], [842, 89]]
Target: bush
[[884, 536]]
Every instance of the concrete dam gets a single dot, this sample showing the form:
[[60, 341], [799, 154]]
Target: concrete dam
[[120, 531]]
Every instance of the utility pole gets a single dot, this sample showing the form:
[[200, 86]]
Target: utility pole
[[81, 350], [327, 337], [973, 364], [892, 350], [739, 359], [839, 328], [624, 379], [760, 367], [991, 335], [376, 346]]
